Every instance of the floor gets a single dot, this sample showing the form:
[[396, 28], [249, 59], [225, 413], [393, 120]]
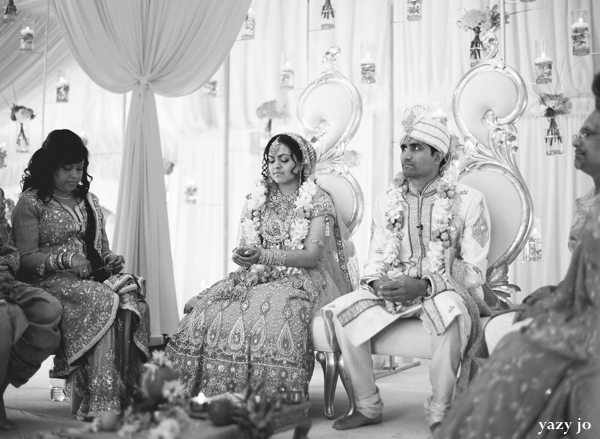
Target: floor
[[403, 394]]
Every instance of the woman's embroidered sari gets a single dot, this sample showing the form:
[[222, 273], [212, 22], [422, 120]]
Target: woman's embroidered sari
[[248, 330], [91, 327], [547, 374]]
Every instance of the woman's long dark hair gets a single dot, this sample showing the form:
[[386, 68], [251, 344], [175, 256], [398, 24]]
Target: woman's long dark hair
[[294, 148], [61, 147]]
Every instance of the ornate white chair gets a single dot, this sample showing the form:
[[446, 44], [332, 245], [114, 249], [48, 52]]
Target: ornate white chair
[[329, 112], [489, 99]]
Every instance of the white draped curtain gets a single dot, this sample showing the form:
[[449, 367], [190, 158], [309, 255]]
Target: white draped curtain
[[148, 47], [430, 57]]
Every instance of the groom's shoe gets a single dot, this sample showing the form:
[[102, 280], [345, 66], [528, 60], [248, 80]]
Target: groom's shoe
[[356, 419]]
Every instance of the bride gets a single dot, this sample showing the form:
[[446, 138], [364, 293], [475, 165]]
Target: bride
[[254, 327]]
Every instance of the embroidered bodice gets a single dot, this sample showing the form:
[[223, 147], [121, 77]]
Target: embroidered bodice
[[278, 214], [276, 219]]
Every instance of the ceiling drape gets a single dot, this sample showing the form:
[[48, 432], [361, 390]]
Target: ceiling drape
[[148, 47]]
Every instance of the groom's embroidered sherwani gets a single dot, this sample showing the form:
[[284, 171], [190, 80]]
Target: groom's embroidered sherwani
[[456, 291]]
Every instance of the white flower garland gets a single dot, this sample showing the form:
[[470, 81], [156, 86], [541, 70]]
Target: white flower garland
[[440, 220], [300, 225]]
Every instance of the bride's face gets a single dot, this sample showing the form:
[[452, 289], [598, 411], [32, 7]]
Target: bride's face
[[283, 166]]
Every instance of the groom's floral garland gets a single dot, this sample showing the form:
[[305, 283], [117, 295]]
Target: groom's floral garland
[[441, 216]]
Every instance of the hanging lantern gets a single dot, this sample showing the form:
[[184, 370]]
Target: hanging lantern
[[440, 116], [191, 192], [3, 155], [249, 25], [580, 33], [210, 88], [62, 86], [532, 252], [327, 15], [27, 35], [543, 63], [286, 71], [10, 12], [367, 64], [413, 10]]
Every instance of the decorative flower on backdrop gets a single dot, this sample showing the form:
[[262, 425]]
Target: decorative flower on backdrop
[[551, 105], [480, 20], [21, 115], [270, 110]]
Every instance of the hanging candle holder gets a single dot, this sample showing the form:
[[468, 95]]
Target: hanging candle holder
[[327, 15], [210, 88], [414, 10], [543, 63], [3, 154], [580, 33], [191, 192], [367, 63], [249, 25], [62, 86], [286, 71], [440, 116], [27, 35], [10, 12], [532, 252]]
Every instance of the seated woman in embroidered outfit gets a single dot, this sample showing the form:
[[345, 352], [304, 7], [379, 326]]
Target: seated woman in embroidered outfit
[[59, 231], [254, 327]]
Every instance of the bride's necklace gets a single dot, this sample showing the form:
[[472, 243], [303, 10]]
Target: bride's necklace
[[62, 198]]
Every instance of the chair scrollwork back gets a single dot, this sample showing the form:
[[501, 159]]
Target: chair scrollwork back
[[329, 113], [487, 103]]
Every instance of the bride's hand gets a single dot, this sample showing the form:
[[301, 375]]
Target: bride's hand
[[246, 256]]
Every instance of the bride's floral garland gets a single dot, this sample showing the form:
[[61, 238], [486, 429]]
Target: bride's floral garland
[[441, 216], [300, 225]]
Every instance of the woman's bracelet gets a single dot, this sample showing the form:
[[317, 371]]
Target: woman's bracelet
[[59, 263], [67, 258], [272, 257], [53, 263]]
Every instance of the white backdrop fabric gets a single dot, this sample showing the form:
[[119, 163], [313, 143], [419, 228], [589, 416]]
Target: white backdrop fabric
[[169, 48], [430, 57]]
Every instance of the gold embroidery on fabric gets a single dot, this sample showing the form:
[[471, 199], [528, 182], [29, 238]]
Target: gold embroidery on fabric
[[237, 335], [481, 228], [285, 341], [258, 334], [357, 308], [434, 316], [214, 330]]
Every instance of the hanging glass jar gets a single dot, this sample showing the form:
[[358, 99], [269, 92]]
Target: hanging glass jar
[[62, 86], [532, 252], [553, 138], [249, 26], [414, 10], [10, 12], [580, 33], [367, 63], [543, 63], [286, 71], [327, 15], [27, 35], [476, 48]]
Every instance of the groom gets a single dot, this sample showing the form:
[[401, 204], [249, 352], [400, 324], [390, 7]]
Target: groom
[[427, 259]]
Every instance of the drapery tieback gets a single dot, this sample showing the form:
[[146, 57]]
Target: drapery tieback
[[143, 80]]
